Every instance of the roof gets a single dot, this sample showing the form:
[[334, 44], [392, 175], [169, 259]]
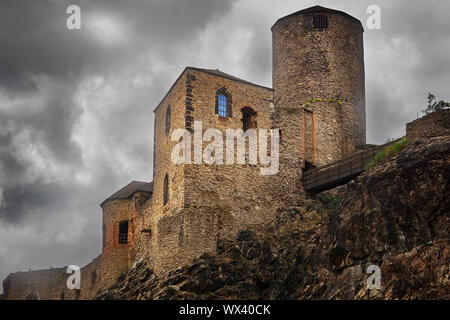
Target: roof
[[214, 72], [217, 72], [130, 189], [316, 9]]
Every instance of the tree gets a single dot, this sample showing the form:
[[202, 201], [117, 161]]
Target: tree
[[434, 105]]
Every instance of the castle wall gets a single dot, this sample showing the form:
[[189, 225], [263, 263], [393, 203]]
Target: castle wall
[[143, 229], [219, 200], [328, 131], [115, 257], [45, 284], [147, 233], [51, 284]]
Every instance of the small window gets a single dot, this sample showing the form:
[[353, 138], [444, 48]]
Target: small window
[[248, 118], [168, 112], [123, 232], [223, 104], [166, 189], [320, 22]]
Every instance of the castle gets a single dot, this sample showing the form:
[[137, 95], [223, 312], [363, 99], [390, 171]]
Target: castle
[[318, 104]]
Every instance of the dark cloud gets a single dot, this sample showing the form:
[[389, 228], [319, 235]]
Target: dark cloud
[[35, 40], [76, 114], [76, 119]]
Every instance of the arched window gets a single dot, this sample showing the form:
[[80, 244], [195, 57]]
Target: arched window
[[223, 104], [248, 118], [168, 111], [166, 189]]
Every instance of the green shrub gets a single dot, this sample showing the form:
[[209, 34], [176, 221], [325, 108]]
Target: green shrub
[[387, 153], [434, 105]]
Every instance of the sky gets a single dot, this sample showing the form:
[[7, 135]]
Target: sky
[[76, 106]]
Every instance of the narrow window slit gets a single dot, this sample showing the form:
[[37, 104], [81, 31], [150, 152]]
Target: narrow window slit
[[123, 232]]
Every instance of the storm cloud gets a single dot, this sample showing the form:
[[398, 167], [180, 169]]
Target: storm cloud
[[76, 120]]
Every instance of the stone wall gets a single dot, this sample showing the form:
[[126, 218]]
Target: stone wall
[[311, 67], [315, 65], [51, 284], [163, 145], [146, 226], [219, 200], [237, 186], [42, 284], [115, 257], [433, 125]]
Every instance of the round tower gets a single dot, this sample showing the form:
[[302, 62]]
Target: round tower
[[318, 77]]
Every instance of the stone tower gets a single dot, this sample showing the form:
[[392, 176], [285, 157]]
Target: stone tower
[[318, 77]]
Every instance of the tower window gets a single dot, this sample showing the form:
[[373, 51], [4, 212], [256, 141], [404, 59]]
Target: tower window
[[223, 103], [123, 232], [248, 118], [166, 189], [320, 22], [168, 112]]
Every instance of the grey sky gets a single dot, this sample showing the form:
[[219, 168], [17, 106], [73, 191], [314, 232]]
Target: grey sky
[[76, 118]]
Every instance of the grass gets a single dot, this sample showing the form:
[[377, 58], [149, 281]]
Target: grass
[[387, 153]]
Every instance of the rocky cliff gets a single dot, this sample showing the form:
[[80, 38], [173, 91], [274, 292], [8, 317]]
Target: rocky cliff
[[396, 216]]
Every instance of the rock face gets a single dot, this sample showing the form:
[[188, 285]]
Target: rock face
[[395, 216]]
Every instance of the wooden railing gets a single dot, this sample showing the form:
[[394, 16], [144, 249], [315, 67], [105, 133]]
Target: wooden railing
[[337, 173], [340, 172]]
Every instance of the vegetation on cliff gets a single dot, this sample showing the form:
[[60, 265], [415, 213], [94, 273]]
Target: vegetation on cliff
[[433, 105], [388, 152]]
